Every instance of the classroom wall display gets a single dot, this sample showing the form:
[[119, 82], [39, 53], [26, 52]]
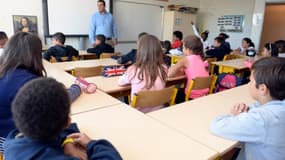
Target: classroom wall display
[[23, 23], [231, 23]]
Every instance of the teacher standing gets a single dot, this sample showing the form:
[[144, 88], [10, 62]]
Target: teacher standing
[[102, 22]]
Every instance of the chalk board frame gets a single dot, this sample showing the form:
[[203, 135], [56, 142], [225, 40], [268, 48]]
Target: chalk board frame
[[46, 21]]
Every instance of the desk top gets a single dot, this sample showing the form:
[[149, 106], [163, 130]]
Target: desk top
[[193, 118], [139, 137], [110, 84], [85, 102], [85, 63], [235, 63]]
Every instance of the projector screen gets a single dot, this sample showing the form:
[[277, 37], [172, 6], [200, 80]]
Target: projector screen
[[72, 17]]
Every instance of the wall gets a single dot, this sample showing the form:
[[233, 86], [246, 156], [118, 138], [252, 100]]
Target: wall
[[34, 7], [210, 10], [274, 25]]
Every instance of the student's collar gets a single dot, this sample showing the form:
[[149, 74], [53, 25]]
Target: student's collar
[[104, 12]]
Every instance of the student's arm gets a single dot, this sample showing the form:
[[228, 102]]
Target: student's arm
[[74, 92], [177, 69], [125, 78], [95, 50], [92, 30], [245, 127], [128, 57], [47, 54], [195, 30], [102, 150], [96, 150]]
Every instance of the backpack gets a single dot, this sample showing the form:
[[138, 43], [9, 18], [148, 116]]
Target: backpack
[[228, 81]]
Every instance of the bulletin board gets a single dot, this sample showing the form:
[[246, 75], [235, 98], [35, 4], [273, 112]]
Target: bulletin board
[[231, 23]]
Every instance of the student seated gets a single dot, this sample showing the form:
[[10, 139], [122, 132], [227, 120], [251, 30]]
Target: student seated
[[280, 44], [220, 49], [21, 63], [259, 127], [44, 129], [148, 72], [191, 65], [131, 56], [59, 49], [166, 47], [225, 37], [100, 46], [269, 50], [177, 40], [3, 41], [247, 47]]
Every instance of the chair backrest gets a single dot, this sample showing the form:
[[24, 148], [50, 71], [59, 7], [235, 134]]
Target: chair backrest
[[91, 56], [87, 71], [210, 65], [199, 83], [224, 69], [109, 55], [144, 99], [231, 56], [63, 59]]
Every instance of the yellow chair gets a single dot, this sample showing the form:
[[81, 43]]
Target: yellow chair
[[1, 156], [223, 69], [109, 55], [175, 59], [145, 99], [210, 65], [63, 59], [201, 83], [87, 71]]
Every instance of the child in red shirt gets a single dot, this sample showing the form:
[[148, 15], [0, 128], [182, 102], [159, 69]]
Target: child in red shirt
[[177, 39]]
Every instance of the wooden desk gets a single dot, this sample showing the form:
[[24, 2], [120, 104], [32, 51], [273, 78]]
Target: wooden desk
[[138, 137], [237, 64], [85, 102], [110, 84], [193, 118], [83, 54], [85, 63]]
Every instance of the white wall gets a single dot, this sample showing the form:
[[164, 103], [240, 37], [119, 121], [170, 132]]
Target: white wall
[[210, 10], [18, 7]]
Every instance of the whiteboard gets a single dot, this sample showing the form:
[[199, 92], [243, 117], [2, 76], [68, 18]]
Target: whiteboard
[[134, 18], [72, 17]]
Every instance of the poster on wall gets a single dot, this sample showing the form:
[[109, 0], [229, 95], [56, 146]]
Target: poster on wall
[[23, 23], [231, 23]]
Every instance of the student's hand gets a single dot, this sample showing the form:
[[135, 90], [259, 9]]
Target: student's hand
[[75, 150], [239, 108], [80, 138]]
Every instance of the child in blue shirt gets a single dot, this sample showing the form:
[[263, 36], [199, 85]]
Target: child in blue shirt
[[260, 127], [41, 111]]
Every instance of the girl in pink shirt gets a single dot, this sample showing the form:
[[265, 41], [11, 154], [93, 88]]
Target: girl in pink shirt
[[149, 72], [191, 65]]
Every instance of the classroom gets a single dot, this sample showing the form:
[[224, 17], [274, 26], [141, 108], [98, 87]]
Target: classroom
[[142, 79]]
